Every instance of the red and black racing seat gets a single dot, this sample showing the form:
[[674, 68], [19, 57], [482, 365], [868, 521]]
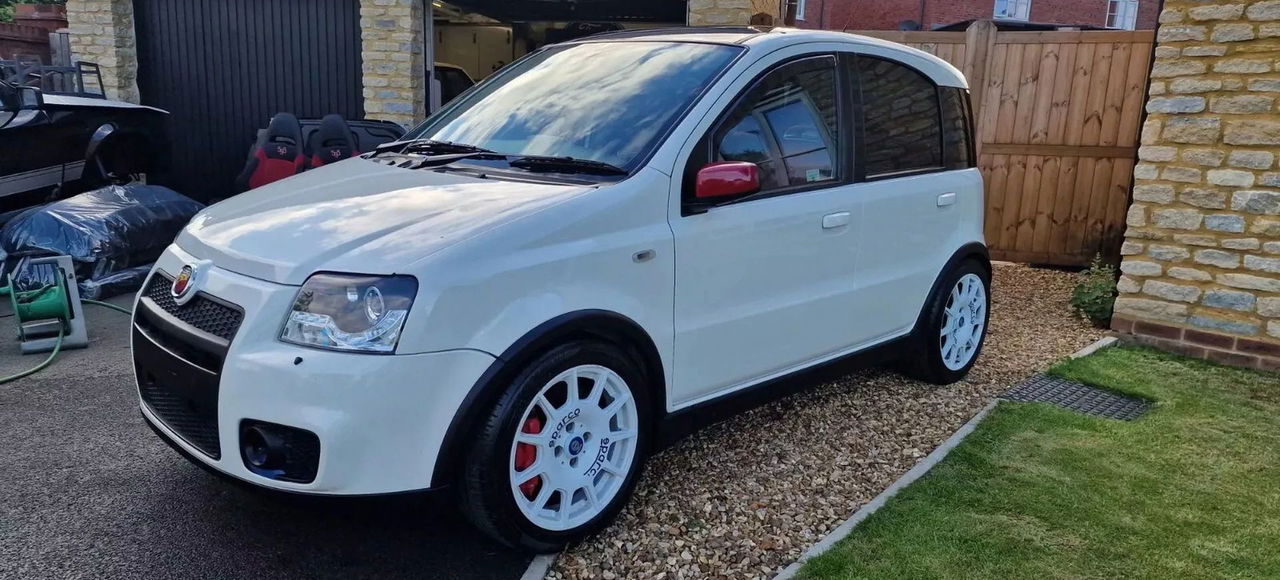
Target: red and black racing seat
[[276, 155], [331, 142]]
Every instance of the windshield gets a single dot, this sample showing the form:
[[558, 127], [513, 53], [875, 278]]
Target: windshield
[[606, 102]]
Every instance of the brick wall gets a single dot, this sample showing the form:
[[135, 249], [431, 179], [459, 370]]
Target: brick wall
[[392, 34], [887, 14], [28, 34], [102, 32], [859, 14], [18, 40], [50, 17], [1090, 12], [1201, 267]]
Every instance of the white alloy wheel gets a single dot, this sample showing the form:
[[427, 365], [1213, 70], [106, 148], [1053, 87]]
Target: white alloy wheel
[[964, 321], [574, 446]]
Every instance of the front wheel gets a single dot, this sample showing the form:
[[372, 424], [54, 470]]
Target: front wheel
[[559, 454], [953, 327]]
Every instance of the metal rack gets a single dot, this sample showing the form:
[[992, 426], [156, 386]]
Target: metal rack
[[81, 79]]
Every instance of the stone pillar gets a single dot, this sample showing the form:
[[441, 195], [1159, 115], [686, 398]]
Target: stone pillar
[[102, 32], [1201, 266], [392, 34]]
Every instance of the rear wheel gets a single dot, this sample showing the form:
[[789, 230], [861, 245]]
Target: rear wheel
[[953, 328], [559, 455]]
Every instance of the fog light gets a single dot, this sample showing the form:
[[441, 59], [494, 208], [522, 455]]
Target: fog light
[[261, 448], [279, 452]]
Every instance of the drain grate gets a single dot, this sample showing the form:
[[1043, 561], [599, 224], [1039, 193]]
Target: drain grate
[[1077, 397]]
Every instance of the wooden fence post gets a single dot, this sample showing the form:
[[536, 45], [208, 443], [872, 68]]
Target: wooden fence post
[[979, 39]]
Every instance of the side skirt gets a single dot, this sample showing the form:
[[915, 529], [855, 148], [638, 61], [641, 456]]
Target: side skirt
[[679, 424], [40, 178]]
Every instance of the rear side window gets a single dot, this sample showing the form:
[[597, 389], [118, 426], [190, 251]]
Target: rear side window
[[957, 128], [902, 121], [786, 125]]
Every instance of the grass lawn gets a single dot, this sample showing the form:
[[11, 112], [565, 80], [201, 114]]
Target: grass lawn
[[1192, 489]]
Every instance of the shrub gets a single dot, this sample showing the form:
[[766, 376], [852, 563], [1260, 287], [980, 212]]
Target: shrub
[[1095, 294]]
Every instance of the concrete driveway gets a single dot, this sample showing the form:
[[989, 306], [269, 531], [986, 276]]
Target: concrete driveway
[[87, 490]]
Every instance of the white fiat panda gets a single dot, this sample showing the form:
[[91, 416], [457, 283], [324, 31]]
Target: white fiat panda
[[600, 247]]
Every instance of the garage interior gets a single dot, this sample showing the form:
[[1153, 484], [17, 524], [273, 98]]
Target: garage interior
[[483, 35]]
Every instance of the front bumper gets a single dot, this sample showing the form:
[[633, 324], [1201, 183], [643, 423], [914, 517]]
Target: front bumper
[[380, 419]]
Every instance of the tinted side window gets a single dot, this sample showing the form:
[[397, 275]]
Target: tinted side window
[[902, 128], [786, 124], [957, 129]]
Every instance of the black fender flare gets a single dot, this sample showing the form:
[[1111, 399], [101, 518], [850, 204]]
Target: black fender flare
[[92, 157], [598, 324], [110, 134], [970, 251]]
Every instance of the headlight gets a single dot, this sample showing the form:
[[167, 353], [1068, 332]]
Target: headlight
[[352, 313]]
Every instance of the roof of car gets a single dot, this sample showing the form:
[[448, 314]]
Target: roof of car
[[940, 70], [714, 34]]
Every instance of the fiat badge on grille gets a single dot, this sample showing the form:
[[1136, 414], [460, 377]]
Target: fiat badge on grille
[[187, 281]]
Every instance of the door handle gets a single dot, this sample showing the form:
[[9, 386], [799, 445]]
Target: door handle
[[832, 221], [946, 199]]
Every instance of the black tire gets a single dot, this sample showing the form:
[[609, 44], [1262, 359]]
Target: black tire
[[925, 363], [484, 485]]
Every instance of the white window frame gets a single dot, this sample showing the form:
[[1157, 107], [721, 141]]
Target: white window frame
[[800, 9], [1012, 10], [1122, 14]]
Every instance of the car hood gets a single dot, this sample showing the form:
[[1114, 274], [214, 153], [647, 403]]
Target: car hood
[[357, 216]]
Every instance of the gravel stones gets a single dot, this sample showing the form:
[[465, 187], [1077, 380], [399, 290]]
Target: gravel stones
[[744, 498]]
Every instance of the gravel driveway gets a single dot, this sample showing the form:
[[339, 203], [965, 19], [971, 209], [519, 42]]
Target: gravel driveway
[[744, 498]]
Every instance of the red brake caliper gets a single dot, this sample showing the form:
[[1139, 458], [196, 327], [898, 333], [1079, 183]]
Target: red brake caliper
[[526, 454]]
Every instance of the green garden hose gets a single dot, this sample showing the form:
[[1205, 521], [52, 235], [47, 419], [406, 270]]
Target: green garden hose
[[107, 305], [57, 346]]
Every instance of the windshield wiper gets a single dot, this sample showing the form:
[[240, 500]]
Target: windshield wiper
[[565, 165], [430, 146]]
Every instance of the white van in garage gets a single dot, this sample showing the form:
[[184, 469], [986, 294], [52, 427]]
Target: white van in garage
[[599, 246]]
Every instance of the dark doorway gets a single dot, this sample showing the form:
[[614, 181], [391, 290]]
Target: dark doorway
[[223, 67]]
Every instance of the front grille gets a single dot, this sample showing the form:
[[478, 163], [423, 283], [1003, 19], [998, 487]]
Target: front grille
[[178, 351], [182, 395], [198, 429], [201, 311]]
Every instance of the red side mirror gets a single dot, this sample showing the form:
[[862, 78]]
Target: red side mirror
[[727, 178]]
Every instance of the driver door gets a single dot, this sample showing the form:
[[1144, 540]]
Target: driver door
[[764, 282]]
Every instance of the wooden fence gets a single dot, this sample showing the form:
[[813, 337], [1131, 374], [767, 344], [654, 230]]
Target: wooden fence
[[1059, 114]]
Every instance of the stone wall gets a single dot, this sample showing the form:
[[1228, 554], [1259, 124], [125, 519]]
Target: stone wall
[[1201, 266], [101, 31], [720, 12], [902, 118], [392, 35]]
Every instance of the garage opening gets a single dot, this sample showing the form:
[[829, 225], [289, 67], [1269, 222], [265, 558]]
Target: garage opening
[[223, 67]]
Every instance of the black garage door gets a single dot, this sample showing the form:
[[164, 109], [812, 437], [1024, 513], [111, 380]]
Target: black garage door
[[223, 67]]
